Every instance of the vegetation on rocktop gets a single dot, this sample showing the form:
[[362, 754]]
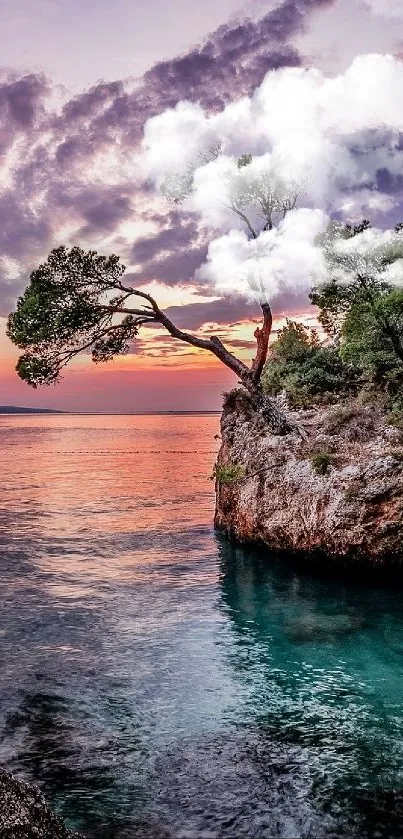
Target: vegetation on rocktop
[[363, 353], [306, 371]]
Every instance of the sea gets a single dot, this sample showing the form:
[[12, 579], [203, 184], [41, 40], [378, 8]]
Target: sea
[[158, 680]]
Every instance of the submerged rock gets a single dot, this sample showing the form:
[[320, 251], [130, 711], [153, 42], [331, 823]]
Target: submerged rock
[[24, 813], [333, 493]]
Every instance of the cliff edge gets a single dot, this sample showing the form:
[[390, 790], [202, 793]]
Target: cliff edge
[[335, 495]]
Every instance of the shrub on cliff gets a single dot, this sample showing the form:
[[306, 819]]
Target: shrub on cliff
[[229, 474], [361, 309], [306, 371], [320, 462]]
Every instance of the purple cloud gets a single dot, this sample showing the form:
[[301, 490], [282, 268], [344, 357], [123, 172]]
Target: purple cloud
[[21, 106], [50, 182], [389, 182]]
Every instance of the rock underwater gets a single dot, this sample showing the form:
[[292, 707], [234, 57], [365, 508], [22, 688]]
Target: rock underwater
[[334, 494], [24, 813]]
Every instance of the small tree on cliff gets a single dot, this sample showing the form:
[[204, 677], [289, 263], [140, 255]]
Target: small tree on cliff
[[361, 304], [77, 302], [363, 289]]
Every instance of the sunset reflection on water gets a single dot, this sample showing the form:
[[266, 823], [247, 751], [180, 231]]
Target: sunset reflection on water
[[94, 481], [156, 679]]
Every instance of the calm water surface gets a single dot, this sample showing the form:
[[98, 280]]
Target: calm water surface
[[157, 681]]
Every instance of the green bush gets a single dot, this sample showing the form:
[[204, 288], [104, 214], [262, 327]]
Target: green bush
[[228, 474], [321, 462], [307, 372], [395, 417]]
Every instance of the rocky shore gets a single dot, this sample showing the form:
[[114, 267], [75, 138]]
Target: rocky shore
[[24, 813], [332, 495]]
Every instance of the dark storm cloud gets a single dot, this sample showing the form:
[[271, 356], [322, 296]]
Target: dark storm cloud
[[235, 59], [100, 208], [180, 229], [92, 102], [21, 99], [173, 268]]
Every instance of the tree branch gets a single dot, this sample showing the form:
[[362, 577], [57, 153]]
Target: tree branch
[[213, 344], [69, 354], [121, 310], [244, 218], [249, 377]]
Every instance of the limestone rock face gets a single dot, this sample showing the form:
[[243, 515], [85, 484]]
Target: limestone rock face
[[338, 493], [24, 813]]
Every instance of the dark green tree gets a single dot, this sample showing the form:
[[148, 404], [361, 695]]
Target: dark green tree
[[366, 294], [371, 338], [77, 302]]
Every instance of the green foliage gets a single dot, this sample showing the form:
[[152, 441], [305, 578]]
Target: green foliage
[[359, 278], [307, 372], [228, 474], [395, 417], [333, 302], [68, 308], [364, 313], [321, 462], [371, 336], [294, 342]]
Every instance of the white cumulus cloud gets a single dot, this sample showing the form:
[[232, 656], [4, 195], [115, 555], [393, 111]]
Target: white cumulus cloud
[[332, 133], [372, 254], [335, 141], [281, 259]]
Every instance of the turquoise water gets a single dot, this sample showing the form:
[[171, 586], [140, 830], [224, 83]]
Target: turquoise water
[[157, 680]]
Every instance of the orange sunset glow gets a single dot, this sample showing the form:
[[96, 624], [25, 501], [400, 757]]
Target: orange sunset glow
[[163, 374]]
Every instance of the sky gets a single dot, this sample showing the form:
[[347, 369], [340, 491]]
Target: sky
[[88, 93]]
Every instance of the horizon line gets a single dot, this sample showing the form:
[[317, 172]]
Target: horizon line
[[19, 411]]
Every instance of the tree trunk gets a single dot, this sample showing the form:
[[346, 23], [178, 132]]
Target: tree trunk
[[268, 408], [249, 376], [262, 335]]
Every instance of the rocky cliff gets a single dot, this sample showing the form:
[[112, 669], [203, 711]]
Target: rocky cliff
[[24, 813], [335, 493]]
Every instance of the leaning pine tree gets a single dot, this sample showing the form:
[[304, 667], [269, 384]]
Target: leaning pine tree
[[76, 302]]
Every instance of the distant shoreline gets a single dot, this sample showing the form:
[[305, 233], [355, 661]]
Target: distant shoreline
[[6, 410]]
